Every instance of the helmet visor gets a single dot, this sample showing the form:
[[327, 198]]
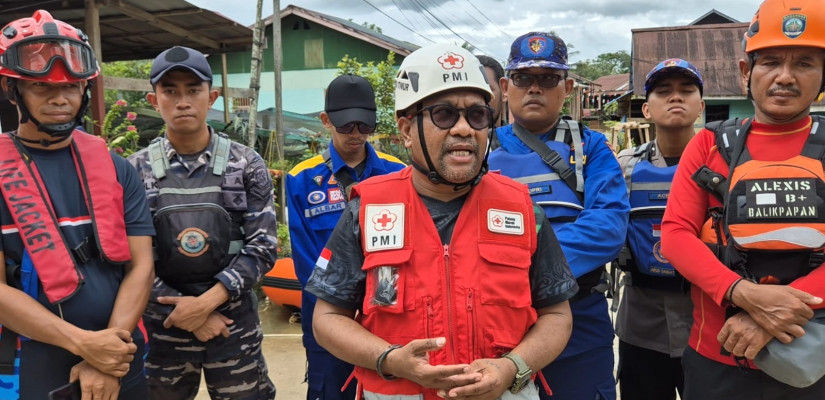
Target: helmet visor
[[37, 56]]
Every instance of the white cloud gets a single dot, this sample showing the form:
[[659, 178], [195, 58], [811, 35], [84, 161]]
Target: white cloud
[[593, 27]]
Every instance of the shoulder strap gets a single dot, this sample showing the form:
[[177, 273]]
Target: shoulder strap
[[552, 157], [579, 153], [727, 134], [220, 154], [643, 151], [815, 145], [157, 158], [345, 181]]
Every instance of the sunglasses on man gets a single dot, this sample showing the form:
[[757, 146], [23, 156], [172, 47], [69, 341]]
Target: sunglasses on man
[[349, 127], [446, 116], [547, 81]]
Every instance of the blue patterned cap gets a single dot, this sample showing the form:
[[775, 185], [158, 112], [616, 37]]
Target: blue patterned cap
[[538, 50], [673, 65]]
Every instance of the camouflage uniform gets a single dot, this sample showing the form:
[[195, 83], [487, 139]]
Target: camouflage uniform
[[234, 367]]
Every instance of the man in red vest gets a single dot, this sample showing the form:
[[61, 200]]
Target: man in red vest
[[461, 288], [76, 229]]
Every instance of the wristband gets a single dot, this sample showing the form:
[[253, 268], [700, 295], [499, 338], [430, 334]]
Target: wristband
[[730, 292], [380, 361]]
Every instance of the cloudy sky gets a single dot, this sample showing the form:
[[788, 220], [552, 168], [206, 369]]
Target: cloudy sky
[[592, 27]]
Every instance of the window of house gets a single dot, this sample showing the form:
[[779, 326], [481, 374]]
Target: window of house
[[717, 112], [314, 53]]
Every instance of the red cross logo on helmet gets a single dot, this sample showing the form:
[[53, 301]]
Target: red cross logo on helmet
[[451, 61]]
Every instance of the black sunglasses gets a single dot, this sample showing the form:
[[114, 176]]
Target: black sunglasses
[[547, 81], [446, 116], [349, 127]]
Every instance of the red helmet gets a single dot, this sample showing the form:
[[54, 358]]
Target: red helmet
[[44, 49]]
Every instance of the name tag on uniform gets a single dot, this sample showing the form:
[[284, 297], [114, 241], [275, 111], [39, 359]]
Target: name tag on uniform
[[506, 222]]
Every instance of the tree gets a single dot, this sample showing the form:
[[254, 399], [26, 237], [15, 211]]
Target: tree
[[382, 78], [138, 69], [605, 64]]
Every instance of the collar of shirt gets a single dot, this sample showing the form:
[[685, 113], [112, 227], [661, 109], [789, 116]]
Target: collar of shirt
[[372, 166], [203, 158]]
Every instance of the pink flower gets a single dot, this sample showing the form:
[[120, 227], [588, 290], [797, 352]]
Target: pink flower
[[119, 150], [131, 116], [131, 128], [121, 103]]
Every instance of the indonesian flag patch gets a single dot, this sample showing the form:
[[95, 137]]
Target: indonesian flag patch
[[657, 230], [323, 260]]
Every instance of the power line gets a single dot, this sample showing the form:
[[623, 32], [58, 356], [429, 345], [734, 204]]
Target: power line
[[448, 28], [507, 35], [397, 22]]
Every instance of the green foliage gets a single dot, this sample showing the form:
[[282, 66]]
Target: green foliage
[[138, 69], [119, 131], [382, 78], [284, 246], [605, 64]]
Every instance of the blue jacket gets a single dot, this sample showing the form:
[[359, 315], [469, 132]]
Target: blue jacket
[[591, 233], [598, 232], [315, 202]]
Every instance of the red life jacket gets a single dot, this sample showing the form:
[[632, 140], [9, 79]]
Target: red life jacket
[[31, 209], [474, 291]]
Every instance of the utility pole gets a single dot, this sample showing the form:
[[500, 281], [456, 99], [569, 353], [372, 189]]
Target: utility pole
[[255, 75], [276, 69]]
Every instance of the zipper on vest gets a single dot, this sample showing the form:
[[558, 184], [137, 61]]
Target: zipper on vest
[[449, 300], [429, 317], [471, 316], [193, 207]]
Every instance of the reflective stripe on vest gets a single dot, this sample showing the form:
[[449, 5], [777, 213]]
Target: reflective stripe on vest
[[648, 188], [30, 207]]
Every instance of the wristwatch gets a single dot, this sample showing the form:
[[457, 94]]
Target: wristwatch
[[523, 372]]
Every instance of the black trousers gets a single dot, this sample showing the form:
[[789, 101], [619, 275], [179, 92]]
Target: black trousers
[[707, 379], [646, 374]]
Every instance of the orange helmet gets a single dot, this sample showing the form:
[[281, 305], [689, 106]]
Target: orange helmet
[[778, 23], [44, 49]]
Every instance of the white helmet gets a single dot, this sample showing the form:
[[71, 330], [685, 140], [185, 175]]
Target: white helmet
[[438, 68]]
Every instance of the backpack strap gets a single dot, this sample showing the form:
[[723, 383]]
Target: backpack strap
[[157, 158], [572, 178]]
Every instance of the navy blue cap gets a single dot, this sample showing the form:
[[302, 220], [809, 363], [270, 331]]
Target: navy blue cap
[[350, 98], [538, 50], [180, 57], [673, 65]]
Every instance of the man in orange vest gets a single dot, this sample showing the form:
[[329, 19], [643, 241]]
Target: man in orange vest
[[461, 285], [765, 277]]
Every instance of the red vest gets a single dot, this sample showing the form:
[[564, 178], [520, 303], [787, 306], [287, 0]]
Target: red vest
[[31, 209], [474, 291]]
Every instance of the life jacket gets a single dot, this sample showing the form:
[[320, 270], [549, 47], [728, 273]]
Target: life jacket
[[475, 291], [772, 225], [31, 209], [561, 200], [648, 187], [553, 183], [198, 230]]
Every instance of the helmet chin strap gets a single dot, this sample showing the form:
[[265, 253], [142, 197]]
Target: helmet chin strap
[[432, 174], [58, 131]]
